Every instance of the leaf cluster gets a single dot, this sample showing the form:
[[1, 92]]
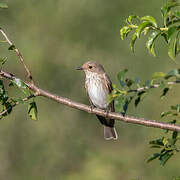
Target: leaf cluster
[[5, 102], [133, 90], [3, 5], [167, 148], [169, 30]]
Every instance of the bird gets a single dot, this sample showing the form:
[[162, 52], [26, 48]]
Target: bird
[[98, 86]]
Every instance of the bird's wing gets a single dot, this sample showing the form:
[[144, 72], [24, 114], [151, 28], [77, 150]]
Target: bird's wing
[[108, 85]]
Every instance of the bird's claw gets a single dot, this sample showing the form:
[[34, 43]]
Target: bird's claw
[[107, 113], [91, 109]]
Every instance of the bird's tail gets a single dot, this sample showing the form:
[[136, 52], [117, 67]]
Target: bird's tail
[[110, 133]]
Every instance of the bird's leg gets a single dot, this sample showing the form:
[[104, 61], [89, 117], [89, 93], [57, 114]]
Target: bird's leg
[[92, 107], [107, 112]]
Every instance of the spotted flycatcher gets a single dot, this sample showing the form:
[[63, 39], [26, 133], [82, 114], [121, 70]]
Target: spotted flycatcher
[[98, 86]]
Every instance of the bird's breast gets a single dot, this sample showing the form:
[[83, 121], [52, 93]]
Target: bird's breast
[[97, 92]]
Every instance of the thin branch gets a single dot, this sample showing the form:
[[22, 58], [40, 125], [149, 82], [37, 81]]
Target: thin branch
[[83, 107], [16, 103], [19, 55], [152, 86]]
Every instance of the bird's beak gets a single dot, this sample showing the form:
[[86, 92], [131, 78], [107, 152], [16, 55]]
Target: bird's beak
[[79, 68]]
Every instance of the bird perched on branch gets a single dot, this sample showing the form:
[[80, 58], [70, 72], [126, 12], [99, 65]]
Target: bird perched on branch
[[98, 86]]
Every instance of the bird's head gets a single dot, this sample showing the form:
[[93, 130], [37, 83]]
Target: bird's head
[[91, 66]]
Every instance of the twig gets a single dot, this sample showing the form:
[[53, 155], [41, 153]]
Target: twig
[[16, 103], [152, 86], [19, 55], [83, 107]]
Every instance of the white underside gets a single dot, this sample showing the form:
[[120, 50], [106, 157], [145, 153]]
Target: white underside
[[96, 91]]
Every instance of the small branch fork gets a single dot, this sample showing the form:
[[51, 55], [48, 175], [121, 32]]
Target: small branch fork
[[112, 115]]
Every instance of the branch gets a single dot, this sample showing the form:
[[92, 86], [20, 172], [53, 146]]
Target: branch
[[83, 107], [19, 55]]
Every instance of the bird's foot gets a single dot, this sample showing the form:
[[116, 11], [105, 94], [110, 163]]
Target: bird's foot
[[107, 112], [91, 108]]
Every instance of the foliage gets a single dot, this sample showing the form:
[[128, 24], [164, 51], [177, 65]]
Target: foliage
[[167, 148], [176, 178], [7, 103], [170, 32], [3, 5], [133, 91], [147, 25]]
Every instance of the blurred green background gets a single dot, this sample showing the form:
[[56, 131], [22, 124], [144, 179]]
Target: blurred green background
[[55, 37]]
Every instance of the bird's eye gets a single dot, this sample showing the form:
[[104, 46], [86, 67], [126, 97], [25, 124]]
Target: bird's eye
[[90, 67]]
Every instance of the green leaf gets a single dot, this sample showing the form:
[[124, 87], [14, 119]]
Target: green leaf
[[32, 110], [173, 73], [163, 11], [141, 27], [154, 156], [146, 30], [133, 40], [167, 7], [6, 107], [20, 84], [12, 47], [157, 142], [129, 82], [164, 158], [140, 95], [3, 94], [175, 134], [163, 114], [150, 42], [121, 74], [172, 45], [130, 18], [176, 178], [162, 84], [121, 104], [177, 107], [150, 19], [3, 60], [124, 31], [165, 91], [3, 5], [171, 31], [177, 14], [172, 4], [165, 141], [157, 75]]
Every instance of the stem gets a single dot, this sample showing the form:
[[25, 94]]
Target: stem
[[19, 56]]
